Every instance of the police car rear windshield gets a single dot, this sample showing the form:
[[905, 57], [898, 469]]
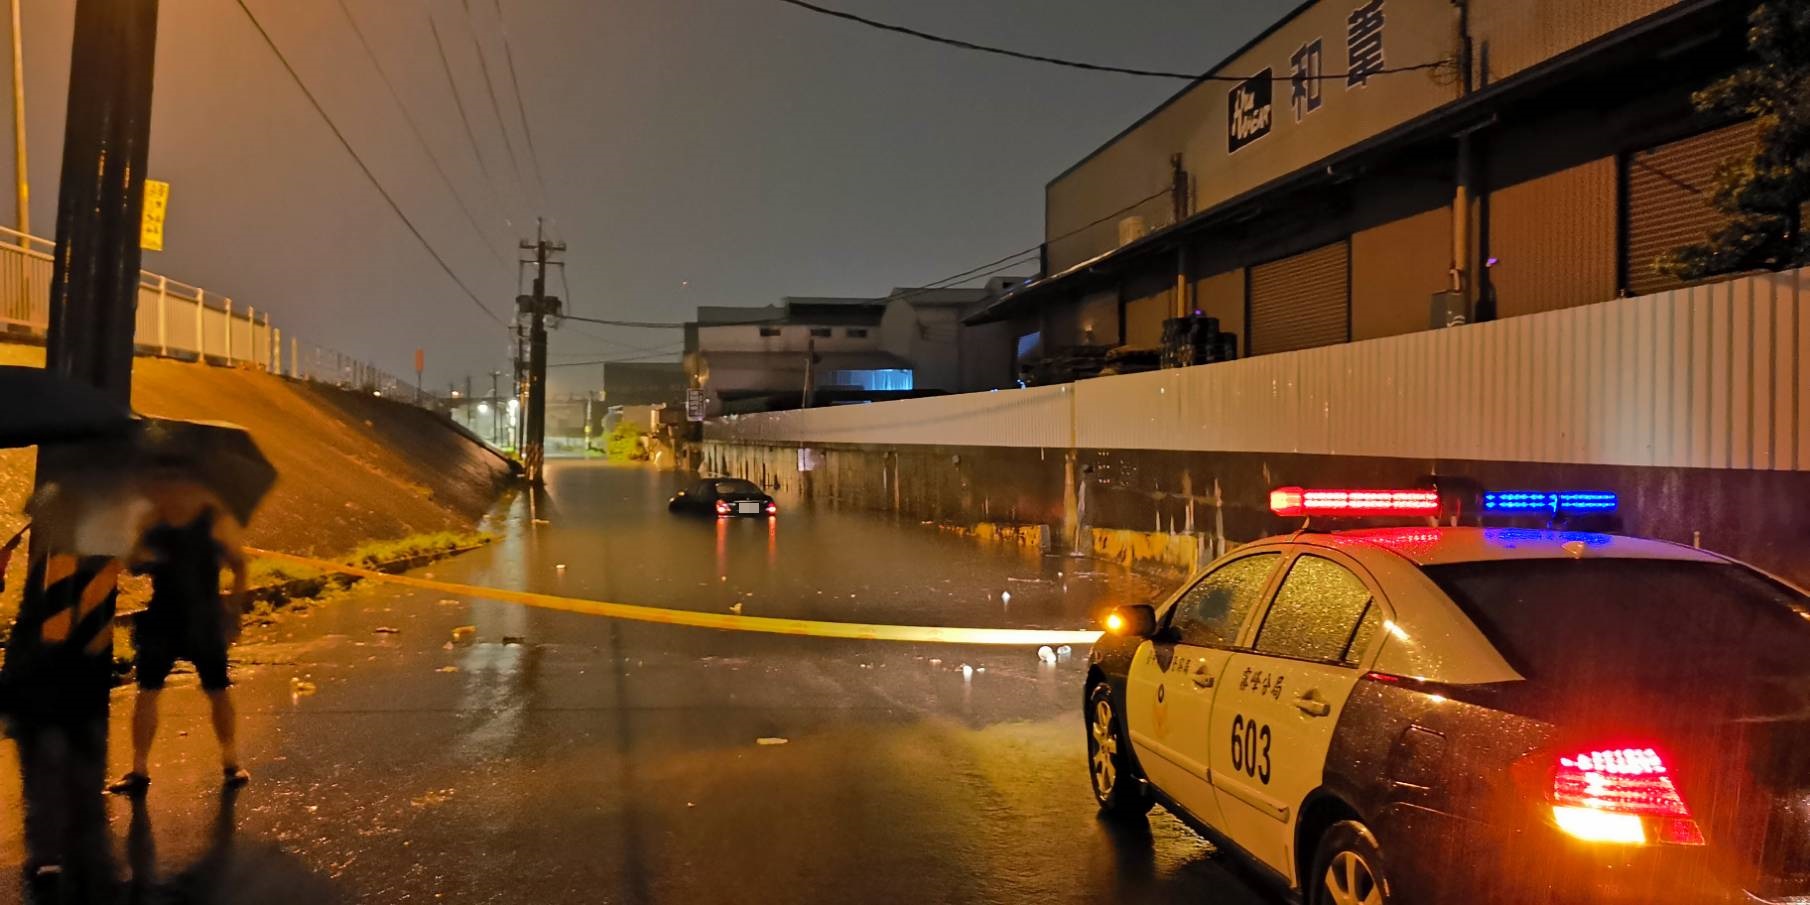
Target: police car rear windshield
[[1626, 619]]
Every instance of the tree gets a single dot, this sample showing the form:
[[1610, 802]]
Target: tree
[[1763, 193]]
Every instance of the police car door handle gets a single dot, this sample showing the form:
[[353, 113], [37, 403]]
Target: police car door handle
[[1311, 705], [1203, 680]]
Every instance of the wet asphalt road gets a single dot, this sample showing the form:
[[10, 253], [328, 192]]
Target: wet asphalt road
[[558, 758]]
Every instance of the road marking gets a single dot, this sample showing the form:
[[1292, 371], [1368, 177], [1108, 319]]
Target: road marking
[[722, 621]]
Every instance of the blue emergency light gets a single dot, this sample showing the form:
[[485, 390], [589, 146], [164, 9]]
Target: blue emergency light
[[1537, 502]]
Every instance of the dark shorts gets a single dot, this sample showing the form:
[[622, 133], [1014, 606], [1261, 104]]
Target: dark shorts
[[157, 655]]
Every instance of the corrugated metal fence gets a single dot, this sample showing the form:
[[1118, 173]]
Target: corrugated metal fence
[[178, 320], [1703, 377]]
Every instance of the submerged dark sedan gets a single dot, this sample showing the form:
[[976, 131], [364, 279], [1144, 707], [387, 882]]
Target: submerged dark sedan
[[724, 498]]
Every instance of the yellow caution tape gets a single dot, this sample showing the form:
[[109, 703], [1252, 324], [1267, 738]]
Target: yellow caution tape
[[723, 621]]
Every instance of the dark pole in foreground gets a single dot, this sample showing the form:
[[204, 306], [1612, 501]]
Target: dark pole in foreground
[[94, 284], [93, 302], [538, 306]]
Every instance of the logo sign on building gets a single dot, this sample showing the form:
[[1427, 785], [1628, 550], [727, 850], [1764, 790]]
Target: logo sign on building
[[1250, 111], [157, 204], [694, 404]]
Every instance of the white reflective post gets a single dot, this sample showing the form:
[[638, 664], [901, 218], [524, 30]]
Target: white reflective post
[[200, 325], [163, 316]]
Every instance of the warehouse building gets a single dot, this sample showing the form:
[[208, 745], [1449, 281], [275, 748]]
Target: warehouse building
[[1368, 168]]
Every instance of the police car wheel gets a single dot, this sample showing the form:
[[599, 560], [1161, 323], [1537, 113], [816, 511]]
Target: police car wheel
[[1348, 868], [1118, 788]]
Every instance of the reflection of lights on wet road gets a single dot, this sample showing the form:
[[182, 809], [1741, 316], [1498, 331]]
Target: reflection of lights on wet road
[[772, 542], [722, 548]]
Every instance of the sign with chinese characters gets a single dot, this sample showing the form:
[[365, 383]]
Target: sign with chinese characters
[[1364, 44], [1328, 77], [1307, 70], [157, 205], [696, 405], [1249, 111]]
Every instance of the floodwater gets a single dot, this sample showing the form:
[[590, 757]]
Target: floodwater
[[551, 757]]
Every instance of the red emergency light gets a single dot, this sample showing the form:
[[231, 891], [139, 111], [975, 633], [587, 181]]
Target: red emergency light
[[1299, 502]]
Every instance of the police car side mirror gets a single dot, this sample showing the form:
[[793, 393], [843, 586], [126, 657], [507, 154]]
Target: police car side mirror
[[1136, 621]]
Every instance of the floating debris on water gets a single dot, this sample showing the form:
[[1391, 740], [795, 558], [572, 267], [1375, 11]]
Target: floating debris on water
[[465, 632], [770, 741], [1046, 654]]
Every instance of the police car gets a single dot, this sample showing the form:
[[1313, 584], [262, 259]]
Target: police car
[[1470, 714]]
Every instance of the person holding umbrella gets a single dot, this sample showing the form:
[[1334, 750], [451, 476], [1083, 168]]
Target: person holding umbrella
[[190, 470], [189, 537]]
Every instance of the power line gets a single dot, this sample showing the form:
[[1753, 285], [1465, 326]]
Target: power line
[[521, 108], [1078, 64], [415, 127], [496, 108], [991, 268], [375, 183], [471, 136], [611, 361]]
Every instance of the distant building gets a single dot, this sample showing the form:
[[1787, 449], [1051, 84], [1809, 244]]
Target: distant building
[[643, 382], [754, 353], [911, 342], [924, 327]]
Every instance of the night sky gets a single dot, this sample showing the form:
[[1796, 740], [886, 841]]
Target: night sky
[[716, 152]]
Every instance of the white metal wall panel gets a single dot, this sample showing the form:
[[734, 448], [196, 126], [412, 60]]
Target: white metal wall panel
[[1702, 377]]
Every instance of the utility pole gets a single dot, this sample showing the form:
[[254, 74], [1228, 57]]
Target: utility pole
[[19, 169], [810, 374], [537, 307], [100, 205], [495, 437], [93, 305]]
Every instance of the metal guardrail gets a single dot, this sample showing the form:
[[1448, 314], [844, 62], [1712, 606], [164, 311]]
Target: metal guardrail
[[180, 320]]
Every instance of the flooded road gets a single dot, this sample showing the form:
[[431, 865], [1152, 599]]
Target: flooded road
[[551, 757]]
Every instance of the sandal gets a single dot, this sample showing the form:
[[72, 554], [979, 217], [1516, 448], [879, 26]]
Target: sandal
[[132, 784]]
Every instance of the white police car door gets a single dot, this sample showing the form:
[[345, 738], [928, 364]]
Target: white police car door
[[1170, 688], [1279, 701]]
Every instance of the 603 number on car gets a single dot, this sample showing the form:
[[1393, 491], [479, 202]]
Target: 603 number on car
[[1251, 748]]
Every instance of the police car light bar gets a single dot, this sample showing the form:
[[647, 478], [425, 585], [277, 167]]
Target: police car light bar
[[1300, 502], [1535, 502]]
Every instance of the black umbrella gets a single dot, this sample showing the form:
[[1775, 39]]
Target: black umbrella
[[37, 406], [221, 457]]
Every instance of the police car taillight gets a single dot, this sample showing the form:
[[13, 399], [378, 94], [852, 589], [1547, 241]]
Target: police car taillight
[[1620, 795], [722, 507], [1302, 502]]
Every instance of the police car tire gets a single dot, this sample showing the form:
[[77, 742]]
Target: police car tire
[[1129, 796], [1346, 837]]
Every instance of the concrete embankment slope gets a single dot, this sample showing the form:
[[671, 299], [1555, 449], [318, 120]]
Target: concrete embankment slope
[[352, 468]]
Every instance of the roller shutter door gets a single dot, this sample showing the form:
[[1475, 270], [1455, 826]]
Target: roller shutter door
[[1301, 302], [1669, 191]]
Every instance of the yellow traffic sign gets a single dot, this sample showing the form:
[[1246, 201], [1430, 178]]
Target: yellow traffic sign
[[157, 204]]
